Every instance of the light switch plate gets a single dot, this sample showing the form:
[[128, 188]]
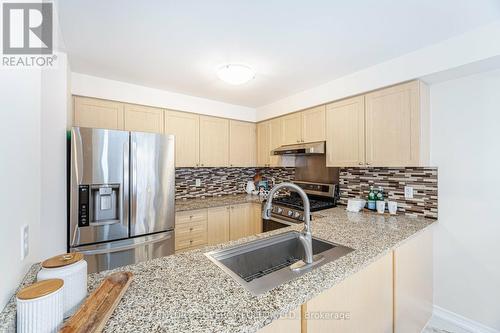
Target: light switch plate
[[25, 241], [198, 182], [408, 192]]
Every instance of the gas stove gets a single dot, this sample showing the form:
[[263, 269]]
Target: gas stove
[[290, 209]]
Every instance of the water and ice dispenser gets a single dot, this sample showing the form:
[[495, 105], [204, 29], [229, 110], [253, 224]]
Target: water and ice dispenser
[[98, 204]]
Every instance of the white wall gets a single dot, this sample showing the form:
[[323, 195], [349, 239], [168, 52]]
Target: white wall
[[92, 86], [473, 46], [19, 173], [465, 145], [54, 107]]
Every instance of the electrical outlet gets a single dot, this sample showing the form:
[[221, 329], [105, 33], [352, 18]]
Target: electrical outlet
[[198, 183], [408, 192], [25, 241]]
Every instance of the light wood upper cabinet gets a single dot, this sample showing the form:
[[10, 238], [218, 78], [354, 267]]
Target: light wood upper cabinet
[[214, 142], [143, 119], [263, 148], [345, 132], [242, 148], [275, 136], [218, 225], [291, 129], [313, 124], [240, 221], [97, 113], [186, 128], [365, 299], [397, 126]]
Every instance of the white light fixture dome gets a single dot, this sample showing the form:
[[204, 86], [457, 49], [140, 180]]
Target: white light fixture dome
[[235, 74]]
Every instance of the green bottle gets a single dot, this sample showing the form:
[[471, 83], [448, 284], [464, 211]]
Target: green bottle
[[372, 197], [380, 194]]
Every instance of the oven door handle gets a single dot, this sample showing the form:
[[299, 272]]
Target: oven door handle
[[283, 221]]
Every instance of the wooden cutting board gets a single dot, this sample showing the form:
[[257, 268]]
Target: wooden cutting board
[[98, 307]]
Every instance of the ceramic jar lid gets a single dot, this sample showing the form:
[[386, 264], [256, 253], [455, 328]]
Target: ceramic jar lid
[[62, 260], [40, 289]]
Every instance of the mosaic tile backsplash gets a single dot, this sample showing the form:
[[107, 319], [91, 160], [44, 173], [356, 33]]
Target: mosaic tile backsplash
[[222, 181], [356, 182]]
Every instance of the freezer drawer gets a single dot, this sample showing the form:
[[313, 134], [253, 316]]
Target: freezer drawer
[[101, 257]]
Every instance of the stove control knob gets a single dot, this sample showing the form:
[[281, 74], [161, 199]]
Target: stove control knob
[[279, 210], [296, 215], [290, 213]]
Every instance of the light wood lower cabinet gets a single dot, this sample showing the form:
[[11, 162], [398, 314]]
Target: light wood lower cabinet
[[190, 229], [361, 303], [413, 287], [142, 119], [218, 225], [97, 113], [240, 221], [290, 323], [257, 218]]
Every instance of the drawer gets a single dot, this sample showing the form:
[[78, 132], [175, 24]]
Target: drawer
[[190, 228], [190, 241], [190, 216]]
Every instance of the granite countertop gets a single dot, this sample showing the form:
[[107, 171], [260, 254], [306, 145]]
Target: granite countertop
[[186, 292], [208, 202]]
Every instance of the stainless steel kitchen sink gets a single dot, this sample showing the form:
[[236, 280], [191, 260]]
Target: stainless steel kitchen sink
[[264, 264]]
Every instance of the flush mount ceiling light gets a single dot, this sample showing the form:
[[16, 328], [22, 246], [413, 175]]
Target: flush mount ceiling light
[[235, 74]]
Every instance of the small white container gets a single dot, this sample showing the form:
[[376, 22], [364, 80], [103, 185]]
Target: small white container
[[72, 269], [355, 205], [40, 307], [380, 207], [393, 207]]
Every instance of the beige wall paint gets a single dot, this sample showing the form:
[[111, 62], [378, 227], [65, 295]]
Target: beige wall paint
[[465, 137]]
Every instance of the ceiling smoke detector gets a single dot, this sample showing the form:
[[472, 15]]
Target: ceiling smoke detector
[[235, 74]]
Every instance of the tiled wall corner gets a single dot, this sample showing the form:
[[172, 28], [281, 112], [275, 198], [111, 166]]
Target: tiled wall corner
[[356, 182]]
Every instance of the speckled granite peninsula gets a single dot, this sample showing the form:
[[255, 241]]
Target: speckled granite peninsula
[[187, 293]]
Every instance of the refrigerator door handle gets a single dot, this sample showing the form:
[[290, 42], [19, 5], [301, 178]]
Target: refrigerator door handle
[[119, 248], [133, 185], [96, 224]]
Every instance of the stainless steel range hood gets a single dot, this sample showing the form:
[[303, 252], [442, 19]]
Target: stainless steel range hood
[[313, 148]]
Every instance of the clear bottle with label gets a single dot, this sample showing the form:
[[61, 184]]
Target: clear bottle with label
[[380, 194]]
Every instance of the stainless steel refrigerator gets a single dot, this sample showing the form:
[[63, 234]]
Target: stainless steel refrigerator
[[122, 196]]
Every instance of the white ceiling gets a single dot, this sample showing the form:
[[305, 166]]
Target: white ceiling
[[293, 45]]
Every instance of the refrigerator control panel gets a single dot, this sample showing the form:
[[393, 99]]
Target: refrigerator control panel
[[83, 205]]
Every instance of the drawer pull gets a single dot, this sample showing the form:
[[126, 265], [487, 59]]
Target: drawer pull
[[190, 216], [190, 229]]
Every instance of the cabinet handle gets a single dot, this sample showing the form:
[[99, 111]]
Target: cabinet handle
[[228, 207], [360, 163], [197, 164], [190, 216], [368, 163], [190, 229], [190, 241], [202, 164]]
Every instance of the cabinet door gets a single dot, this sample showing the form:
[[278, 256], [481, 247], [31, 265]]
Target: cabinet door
[[240, 221], [413, 286], [218, 225], [291, 129], [313, 124], [361, 303], [214, 142], [263, 149], [392, 126], [242, 148], [186, 128], [290, 323], [257, 218], [143, 119], [275, 136], [345, 133], [97, 113]]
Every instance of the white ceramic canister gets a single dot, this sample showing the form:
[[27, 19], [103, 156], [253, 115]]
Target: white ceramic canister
[[71, 268], [40, 307]]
